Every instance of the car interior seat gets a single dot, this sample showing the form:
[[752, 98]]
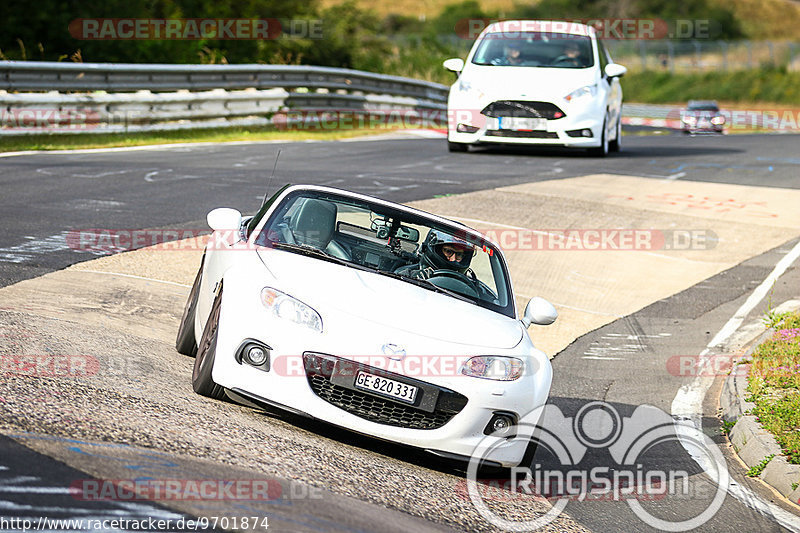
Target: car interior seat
[[314, 224]]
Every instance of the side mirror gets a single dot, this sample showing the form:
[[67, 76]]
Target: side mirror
[[455, 64], [224, 218], [614, 70], [540, 312]]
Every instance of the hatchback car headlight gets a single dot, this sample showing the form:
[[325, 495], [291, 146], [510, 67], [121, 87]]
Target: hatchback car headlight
[[718, 120], [493, 367], [284, 306], [589, 90]]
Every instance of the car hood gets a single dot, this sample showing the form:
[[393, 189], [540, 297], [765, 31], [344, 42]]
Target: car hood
[[373, 299], [527, 83]]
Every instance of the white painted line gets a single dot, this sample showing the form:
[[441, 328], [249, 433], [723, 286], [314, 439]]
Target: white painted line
[[675, 176], [131, 276], [688, 402], [167, 146], [528, 297]]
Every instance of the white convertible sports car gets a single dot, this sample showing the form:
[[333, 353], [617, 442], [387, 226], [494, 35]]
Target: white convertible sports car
[[369, 315], [536, 82]]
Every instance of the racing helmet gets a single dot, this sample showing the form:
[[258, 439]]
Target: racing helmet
[[434, 249]]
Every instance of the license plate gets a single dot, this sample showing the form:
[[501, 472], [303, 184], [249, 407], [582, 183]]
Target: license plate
[[386, 387], [521, 123]]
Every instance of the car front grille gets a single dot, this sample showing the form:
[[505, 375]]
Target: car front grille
[[370, 407], [522, 134], [521, 108]]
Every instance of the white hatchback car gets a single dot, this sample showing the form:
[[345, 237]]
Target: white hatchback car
[[536, 82], [370, 315]]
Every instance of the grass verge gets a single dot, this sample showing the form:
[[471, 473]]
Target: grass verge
[[774, 385], [768, 86], [75, 141]]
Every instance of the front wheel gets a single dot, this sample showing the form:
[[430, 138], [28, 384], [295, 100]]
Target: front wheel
[[202, 383], [616, 144], [457, 147], [602, 150], [186, 341]]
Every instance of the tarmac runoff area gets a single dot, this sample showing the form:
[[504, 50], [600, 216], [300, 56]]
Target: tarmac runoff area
[[123, 311], [599, 247]]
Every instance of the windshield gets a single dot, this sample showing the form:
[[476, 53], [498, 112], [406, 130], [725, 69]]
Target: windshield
[[703, 106], [535, 49], [391, 242]]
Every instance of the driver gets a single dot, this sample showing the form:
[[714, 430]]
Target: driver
[[441, 251], [572, 54]]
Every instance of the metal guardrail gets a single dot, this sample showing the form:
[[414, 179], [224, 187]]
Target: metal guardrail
[[97, 97], [131, 97], [117, 77]]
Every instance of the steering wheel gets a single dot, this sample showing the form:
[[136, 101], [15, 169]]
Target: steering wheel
[[566, 59], [454, 281]]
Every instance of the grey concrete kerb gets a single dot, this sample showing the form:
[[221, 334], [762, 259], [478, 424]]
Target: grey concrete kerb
[[752, 442]]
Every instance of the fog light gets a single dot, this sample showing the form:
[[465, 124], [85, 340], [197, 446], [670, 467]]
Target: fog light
[[466, 128], [501, 425], [254, 353], [586, 132], [256, 356]]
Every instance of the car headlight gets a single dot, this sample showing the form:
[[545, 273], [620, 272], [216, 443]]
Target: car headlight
[[589, 90], [493, 367], [690, 119], [718, 121], [284, 306]]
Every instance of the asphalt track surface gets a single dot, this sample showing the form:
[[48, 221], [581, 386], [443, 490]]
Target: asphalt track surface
[[46, 195]]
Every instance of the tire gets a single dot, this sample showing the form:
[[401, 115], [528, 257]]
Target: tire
[[602, 150], [206, 351], [616, 144], [186, 341], [457, 147]]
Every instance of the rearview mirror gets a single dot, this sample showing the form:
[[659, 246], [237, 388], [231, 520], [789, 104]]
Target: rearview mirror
[[540, 312], [224, 218], [381, 227]]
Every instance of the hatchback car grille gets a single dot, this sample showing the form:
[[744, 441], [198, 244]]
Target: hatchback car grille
[[519, 108], [535, 134], [319, 368]]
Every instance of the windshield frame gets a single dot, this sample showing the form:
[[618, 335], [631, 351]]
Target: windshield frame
[[408, 216], [489, 39]]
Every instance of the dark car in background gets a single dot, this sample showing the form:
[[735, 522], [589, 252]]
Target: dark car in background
[[702, 116]]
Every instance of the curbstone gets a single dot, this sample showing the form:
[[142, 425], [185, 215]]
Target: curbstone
[[749, 440], [752, 442], [781, 475]]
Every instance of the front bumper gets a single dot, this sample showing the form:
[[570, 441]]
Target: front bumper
[[453, 426], [557, 133]]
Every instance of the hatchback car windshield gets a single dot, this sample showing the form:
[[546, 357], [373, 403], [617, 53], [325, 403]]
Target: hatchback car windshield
[[410, 248], [535, 49]]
